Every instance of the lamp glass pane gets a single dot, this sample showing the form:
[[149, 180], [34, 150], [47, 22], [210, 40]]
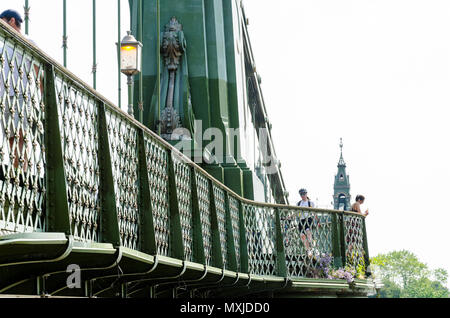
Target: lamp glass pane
[[138, 58], [128, 57]]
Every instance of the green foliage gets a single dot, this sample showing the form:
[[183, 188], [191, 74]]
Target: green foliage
[[404, 276], [425, 288], [390, 290], [355, 261]]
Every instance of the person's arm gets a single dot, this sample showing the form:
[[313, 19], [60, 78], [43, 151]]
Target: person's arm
[[366, 213], [357, 207]]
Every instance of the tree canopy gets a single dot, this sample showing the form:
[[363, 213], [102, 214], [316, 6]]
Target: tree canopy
[[405, 276]]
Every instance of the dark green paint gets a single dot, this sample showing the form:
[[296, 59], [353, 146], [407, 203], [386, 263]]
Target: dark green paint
[[57, 207], [280, 253], [199, 249], [216, 251], [336, 246], [176, 237], [147, 228], [231, 251], [109, 223]]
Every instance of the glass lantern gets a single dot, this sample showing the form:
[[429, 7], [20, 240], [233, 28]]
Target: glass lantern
[[131, 52]]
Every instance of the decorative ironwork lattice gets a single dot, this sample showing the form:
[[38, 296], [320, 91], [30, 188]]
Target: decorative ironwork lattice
[[233, 204], [219, 199], [307, 236], [260, 228], [22, 149], [354, 240], [124, 159], [183, 185], [205, 215], [78, 122], [158, 178]]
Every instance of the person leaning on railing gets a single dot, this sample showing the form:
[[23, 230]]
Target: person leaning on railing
[[356, 207], [354, 227]]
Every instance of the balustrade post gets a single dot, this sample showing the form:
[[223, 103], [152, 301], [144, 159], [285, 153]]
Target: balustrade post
[[336, 240], [342, 238], [216, 251], [280, 252], [366, 248], [176, 233], [57, 206], [243, 241], [109, 223], [147, 229], [199, 248], [231, 251]]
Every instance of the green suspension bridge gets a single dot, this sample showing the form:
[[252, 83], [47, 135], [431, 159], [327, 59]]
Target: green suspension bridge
[[85, 185]]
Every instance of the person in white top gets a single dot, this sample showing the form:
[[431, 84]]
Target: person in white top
[[305, 223], [305, 201]]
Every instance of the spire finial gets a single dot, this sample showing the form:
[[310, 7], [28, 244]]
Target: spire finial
[[341, 160]]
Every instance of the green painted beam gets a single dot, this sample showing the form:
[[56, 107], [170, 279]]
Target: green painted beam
[[109, 224], [176, 236], [147, 227], [217, 259], [199, 248], [57, 208], [231, 251], [280, 252]]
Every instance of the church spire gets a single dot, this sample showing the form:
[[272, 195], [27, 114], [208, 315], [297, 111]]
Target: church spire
[[341, 160], [341, 195]]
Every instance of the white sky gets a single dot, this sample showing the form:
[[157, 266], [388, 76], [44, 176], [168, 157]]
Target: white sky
[[375, 73]]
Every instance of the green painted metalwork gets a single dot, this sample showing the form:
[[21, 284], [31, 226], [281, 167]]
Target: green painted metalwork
[[244, 255], [336, 240], [26, 9], [183, 182], [177, 201], [234, 230], [158, 62], [219, 203], [65, 33], [280, 250], [366, 248], [141, 86], [147, 227], [204, 208], [157, 158], [94, 173], [94, 44], [354, 240], [122, 136], [307, 236], [119, 73], [23, 174], [109, 226], [217, 248], [78, 125], [261, 238], [198, 247]]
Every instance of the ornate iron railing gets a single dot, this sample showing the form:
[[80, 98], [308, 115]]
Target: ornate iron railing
[[72, 162]]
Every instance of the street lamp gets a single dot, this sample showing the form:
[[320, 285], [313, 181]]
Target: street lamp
[[130, 63]]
